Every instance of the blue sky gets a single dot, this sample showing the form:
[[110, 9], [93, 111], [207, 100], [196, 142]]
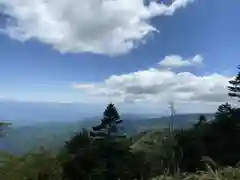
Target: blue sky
[[105, 68]]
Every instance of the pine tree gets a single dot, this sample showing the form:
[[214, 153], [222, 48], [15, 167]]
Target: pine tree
[[234, 87], [111, 150], [108, 127], [224, 111]]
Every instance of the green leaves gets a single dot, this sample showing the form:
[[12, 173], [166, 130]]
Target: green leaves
[[234, 87], [42, 165], [108, 128]]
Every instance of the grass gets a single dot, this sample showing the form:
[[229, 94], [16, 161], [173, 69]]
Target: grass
[[228, 173]]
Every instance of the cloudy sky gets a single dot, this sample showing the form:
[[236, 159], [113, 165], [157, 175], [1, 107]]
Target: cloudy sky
[[139, 54]]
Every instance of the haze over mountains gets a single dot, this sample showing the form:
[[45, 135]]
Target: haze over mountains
[[49, 125], [27, 113]]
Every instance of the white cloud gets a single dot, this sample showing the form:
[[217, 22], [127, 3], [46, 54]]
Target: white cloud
[[97, 26], [83, 86], [198, 59], [175, 61], [160, 86]]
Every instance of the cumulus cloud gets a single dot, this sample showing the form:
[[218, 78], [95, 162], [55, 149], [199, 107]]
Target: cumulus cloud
[[175, 61], [156, 85], [73, 26]]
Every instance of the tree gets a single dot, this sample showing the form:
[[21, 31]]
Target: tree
[[41, 165], [225, 135], [218, 139], [224, 111], [110, 150], [234, 86], [78, 142], [79, 158], [100, 155], [107, 129]]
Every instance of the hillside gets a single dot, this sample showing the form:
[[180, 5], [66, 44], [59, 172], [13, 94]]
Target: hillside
[[52, 134]]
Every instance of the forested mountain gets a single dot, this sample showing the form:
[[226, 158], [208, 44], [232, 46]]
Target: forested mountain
[[52, 134], [126, 147]]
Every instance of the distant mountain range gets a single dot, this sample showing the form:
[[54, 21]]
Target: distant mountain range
[[50, 124], [52, 134], [29, 113]]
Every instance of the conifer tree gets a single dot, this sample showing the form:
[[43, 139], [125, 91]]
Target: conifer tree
[[108, 126], [234, 87], [111, 150]]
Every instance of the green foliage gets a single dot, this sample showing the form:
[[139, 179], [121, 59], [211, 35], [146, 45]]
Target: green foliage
[[158, 154], [89, 158], [228, 173], [161, 152], [218, 139], [234, 87], [108, 158], [41, 165], [110, 114], [108, 126], [52, 136]]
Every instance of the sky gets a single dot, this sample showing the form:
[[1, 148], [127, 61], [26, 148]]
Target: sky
[[138, 54]]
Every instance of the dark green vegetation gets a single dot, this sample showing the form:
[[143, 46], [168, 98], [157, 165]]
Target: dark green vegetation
[[52, 135], [234, 87], [207, 150]]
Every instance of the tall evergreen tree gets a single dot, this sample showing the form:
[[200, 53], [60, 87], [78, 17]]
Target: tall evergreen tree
[[234, 86], [110, 149], [108, 126]]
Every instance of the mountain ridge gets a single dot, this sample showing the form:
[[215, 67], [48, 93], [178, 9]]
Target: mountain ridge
[[52, 134]]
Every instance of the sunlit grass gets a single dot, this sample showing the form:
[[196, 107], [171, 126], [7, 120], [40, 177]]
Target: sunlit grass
[[228, 173]]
